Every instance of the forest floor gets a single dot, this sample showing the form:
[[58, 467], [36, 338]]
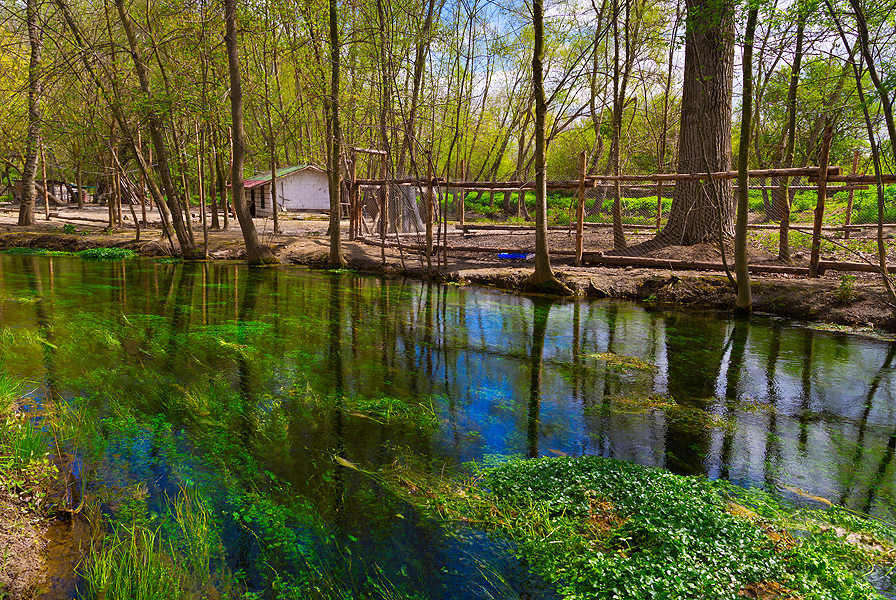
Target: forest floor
[[856, 300]]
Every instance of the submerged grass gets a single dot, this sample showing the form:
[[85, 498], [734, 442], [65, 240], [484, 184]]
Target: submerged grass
[[132, 564], [89, 254], [600, 528], [26, 251], [620, 362]]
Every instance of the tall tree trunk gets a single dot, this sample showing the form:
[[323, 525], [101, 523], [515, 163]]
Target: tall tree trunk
[[882, 88], [543, 277], [184, 239], [705, 131], [272, 138], [257, 253], [782, 196], [334, 145], [744, 296], [35, 93], [863, 41]]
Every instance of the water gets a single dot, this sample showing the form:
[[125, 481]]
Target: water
[[199, 377]]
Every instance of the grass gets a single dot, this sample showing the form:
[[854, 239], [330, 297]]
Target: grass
[[25, 468], [132, 564], [605, 529]]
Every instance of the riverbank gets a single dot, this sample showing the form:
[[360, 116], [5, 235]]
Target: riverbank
[[22, 534], [853, 300]]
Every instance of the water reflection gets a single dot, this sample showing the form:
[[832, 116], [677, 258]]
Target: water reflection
[[759, 402]]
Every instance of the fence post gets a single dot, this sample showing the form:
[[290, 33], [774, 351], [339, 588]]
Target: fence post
[[353, 176], [429, 204], [819, 207], [855, 166], [659, 204], [580, 209], [461, 207], [384, 210]]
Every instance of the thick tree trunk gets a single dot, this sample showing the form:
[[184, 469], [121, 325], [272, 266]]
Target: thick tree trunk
[[257, 253], [35, 92], [705, 138]]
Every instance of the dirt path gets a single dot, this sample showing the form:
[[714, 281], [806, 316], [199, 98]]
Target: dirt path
[[857, 303]]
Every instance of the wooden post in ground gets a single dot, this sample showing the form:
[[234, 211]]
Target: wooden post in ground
[[142, 184], [43, 166], [855, 166], [231, 201], [200, 140], [429, 205], [118, 198], [359, 213], [659, 205], [149, 156], [580, 209], [352, 208], [461, 205], [114, 204], [819, 207], [384, 212]]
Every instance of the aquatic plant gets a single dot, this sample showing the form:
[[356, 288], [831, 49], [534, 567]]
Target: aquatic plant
[[25, 251], [600, 528], [106, 254], [620, 362], [25, 469], [132, 564]]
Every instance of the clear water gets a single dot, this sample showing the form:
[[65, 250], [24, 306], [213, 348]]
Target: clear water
[[199, 377]]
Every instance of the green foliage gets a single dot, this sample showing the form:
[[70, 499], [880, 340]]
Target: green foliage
[[601, 528], [864, 204], [106, 254], [20, 442], [396, 411], [846, 291], [26, 251], [132, 564], [25, 468]]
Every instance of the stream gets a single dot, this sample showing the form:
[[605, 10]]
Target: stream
[[241, 385]]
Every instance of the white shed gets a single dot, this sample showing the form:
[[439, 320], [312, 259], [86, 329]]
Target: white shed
[[299, 188]]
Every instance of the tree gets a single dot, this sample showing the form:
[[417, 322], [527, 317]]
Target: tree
[[701, 208], [744, 296], [257, 253], [35, 92], [334, 145], [543, 277]]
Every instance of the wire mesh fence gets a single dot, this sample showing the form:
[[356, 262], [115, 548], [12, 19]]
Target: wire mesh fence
[[828, 218]]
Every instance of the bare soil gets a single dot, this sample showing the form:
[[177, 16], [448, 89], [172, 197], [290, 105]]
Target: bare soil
[[21, 549], [858, 303]]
